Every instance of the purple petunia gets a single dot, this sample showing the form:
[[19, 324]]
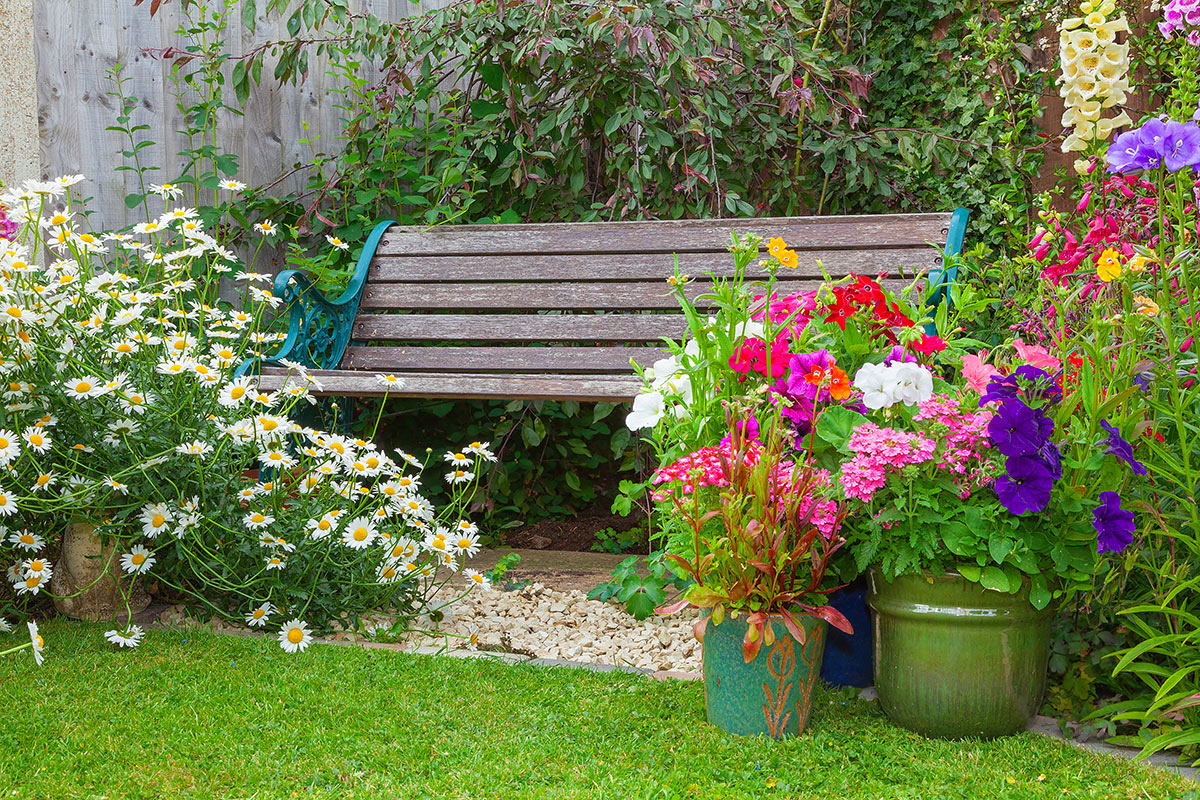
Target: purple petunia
[[1122, 449], [1052, 459], [1026, 486], [1037, 383], [1114, 525], [800, 367], [899, 354], [1158, 142], [1017, 430]]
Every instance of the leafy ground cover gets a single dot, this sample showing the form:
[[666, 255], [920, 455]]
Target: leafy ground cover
[[196, 715]]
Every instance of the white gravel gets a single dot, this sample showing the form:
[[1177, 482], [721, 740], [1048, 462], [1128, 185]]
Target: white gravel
[[549, 623]]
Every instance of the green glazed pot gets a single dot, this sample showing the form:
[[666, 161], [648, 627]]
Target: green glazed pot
[[770, 696], [953, 659]]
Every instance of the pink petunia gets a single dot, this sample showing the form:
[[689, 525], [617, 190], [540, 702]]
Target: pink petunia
[[1036, 356], [978, 373]]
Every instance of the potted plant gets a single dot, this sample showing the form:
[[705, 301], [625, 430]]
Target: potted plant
[[763, 532], [979, 509]]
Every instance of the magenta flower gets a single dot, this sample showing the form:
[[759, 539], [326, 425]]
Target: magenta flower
[[1114, 525]]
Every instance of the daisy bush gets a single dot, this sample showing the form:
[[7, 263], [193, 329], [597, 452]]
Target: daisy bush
[[123, 410]]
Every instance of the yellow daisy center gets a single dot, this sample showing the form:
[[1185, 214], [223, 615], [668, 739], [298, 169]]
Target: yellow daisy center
[[37, 565], [42, 480], [26, 539], [257, 518], [360, 534], [36, 440], [259, 613], [83, 386], [138, 559], [158, 520], [295, 635], [323, 525]]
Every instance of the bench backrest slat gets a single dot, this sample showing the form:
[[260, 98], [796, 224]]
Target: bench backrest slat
[[616, 267], [576, 360], [518, 328], [666, 236]]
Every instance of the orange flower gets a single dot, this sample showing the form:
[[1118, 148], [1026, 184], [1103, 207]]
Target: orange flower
[[839, 384], [817, 375], [788, 258], [776, 246], [1108, 266]]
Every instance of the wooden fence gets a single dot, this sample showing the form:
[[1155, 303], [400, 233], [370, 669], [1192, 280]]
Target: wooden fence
[[76, 42]]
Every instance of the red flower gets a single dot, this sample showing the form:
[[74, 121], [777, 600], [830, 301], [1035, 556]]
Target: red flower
[[929, 345]]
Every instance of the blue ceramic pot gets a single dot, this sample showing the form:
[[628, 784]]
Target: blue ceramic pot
[[848, 658], [770, 696]]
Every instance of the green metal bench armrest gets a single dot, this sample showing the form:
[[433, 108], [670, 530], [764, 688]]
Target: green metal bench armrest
[[938, 282], [319, 327]]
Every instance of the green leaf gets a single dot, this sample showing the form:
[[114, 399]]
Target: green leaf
[[601, 411], [836, 424], [994, 578], [970, 571], [493, 75], [249, 14], [530, 436], [999, 548]]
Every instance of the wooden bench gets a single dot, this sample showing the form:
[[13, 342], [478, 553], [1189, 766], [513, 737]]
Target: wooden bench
[[556, 311]]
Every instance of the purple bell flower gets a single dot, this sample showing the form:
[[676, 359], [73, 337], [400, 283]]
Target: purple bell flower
[[1114, 525], [1026, 486], [1119, 447], [1017, 430]]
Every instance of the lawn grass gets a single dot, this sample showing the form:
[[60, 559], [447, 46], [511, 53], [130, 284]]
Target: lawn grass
[[197, 715]]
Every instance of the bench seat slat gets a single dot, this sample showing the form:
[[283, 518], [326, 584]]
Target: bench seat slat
[[664, 236], [615, 267], [470, 387], [518, 327], [578, 360]]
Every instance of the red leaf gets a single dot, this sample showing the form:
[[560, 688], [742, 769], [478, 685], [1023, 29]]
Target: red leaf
[[321, 217], [684, 564], [672, 608], [750, 648], [698, 628], [793, 627], [831, 615]]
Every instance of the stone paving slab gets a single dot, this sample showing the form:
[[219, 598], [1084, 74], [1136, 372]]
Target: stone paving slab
[[1046, 726], [590, 667]]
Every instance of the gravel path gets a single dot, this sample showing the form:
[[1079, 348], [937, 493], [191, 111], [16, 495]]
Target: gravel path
[[564, 624]]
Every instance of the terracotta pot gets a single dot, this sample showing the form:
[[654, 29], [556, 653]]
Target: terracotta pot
[[88, 582]]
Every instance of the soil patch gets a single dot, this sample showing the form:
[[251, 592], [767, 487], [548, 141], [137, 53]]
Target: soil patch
[[577, 534]]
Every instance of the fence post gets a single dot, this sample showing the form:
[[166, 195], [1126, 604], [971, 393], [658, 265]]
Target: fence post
[[20, 150]]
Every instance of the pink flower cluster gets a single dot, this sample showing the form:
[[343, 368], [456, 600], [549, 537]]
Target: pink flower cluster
[[879, 452], [966, 436], [706, 467], [780, 308]]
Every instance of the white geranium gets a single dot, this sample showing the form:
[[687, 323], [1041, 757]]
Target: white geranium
[[884, 386], [874, 381], [648, 409]]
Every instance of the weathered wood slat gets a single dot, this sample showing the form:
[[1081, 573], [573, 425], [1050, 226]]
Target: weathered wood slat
[[469, 387], [576, 360], [542, 296], [636, 266], [666, 236], [517, 327]]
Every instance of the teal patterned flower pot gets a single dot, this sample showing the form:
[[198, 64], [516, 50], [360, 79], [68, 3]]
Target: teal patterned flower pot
[[770, 696], [953, 659]]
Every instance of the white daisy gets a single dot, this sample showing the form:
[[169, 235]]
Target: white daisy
[[337, 243], [194, 448], [295, 636], [480, 449], [320, 528], [32, 584], [5, 626], [115, 485], [36, 439], [137, 561], [477, 579], [359, 533], [266, 228], [155, 518], [27, 541], [37, 568], [8, 503], [256, 519], [232, 185], [457, 459], [236, 392], [388, 572], [10, 447], [39, 644], [276, 562], [44, 481], [403, 549], [467, 544], [390, 381], [459, 476], [258, 617], [127, 638], [89, 386]]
